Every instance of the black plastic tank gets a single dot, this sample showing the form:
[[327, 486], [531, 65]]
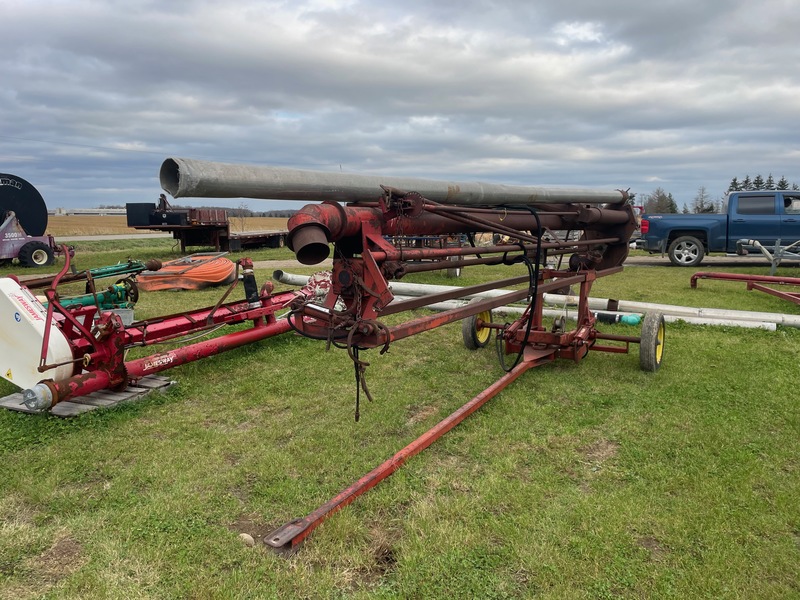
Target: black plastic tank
[[25, 200]]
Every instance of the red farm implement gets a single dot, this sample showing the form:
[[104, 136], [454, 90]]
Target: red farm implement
[[542, 222], [63, 352], [761, 283]]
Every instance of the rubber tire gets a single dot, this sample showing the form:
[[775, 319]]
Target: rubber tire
[[651, 346], [686, 251], [474, 338], [36, 254]]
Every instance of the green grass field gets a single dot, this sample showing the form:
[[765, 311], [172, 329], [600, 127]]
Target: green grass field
[[591, 480]]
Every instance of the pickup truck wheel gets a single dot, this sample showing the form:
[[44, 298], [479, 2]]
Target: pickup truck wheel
[[651, 346], [35, 254], [686, 251]]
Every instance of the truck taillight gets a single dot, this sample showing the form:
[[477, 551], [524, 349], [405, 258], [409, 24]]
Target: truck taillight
[[645, 226]]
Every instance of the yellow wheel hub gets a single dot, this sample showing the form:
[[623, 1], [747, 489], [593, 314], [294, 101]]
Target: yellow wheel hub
[[483, 333]]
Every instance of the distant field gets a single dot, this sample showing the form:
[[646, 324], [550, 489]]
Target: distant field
[[117, 224]]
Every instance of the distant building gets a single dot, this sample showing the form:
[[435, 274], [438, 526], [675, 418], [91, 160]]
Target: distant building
[[102, 212]]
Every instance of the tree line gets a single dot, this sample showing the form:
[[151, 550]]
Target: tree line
[[660, 201]]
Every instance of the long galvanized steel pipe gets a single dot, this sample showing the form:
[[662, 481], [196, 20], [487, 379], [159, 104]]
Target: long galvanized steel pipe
[[687, 313], [187, 178]]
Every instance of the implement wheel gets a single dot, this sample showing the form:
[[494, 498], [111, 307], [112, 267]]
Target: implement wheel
[[474, 334], [35, 254], [651, 347]]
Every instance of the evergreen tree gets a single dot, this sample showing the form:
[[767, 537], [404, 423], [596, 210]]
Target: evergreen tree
[[759, 183], [702, 202], [673, 206], [658, 201], [685, 209]]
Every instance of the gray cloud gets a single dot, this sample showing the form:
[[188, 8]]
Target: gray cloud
[[614, 94]]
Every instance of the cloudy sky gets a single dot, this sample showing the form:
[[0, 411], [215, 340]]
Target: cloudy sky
[[676, 94]]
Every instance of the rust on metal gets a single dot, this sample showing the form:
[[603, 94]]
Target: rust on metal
[[98, 340], [761, 283], [358, 295], [288, 537]]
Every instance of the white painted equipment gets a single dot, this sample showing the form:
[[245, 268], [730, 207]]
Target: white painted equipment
[[22, 327]]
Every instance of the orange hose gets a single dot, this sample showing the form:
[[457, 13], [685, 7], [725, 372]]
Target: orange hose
[[194, 275]]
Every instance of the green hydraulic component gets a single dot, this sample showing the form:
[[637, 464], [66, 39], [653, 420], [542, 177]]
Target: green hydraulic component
[[122, 294], [132, 266]]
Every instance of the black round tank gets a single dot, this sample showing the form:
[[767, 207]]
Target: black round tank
[[25, 200]]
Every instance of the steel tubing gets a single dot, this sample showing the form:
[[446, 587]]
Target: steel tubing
[[745, 277], [49, 393], [698, 316], [314, 226], [185, 177], [288, 537]]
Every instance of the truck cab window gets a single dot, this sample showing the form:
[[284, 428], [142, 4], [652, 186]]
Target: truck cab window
[[757, 205], [791, 204]]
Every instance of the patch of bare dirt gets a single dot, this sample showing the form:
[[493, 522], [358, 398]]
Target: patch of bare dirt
[[381, 547], [253, 526], [652, 545], [417, 414], [61, 560], [600, 451]]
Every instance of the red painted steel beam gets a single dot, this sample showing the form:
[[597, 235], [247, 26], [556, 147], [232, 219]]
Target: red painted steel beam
[[433, 253], [755, 282], [288, 537], [315, 226], [52, 392], [413, 303], [426, 323], [159, 329], [744, 277], [793, 297]]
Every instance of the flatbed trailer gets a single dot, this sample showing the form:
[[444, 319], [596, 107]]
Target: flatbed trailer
[[200, 227]]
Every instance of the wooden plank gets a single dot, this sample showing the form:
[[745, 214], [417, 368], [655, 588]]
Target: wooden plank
[[70, 409], [95, 400], [14, 402], [154, 382]]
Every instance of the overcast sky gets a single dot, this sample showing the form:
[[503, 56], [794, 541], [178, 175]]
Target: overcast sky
[[676, 94]]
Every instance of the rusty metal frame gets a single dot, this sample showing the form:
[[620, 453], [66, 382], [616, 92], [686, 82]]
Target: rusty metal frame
[[364, 261], [290, 536], [99, 340], [755, 282]]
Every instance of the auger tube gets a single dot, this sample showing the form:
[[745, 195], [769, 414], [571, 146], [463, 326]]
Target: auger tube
[[189, 178]]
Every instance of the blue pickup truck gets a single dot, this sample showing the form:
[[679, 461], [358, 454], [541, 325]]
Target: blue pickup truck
[[768, 216]]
